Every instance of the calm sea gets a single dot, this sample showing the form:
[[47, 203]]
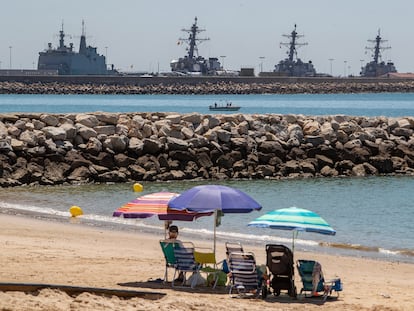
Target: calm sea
[[384, 104], [373, 216]]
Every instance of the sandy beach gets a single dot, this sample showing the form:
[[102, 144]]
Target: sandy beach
[[39, 251]]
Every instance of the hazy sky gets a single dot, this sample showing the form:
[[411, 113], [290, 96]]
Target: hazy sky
[[143, 35]]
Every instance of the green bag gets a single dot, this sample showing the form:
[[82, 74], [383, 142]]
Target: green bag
[[222, 279]]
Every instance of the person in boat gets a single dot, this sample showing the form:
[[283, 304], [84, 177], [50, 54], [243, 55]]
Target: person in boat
[[215, 105]]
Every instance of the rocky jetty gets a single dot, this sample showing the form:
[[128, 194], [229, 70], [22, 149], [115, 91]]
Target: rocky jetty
[[51, 149], [208, 88]]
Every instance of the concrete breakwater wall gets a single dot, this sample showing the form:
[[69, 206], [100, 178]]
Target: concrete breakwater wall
[[53, 149], [158, 86]]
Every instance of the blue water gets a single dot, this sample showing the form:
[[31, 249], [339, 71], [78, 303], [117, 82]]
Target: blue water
[[381, 104], [373, 216]]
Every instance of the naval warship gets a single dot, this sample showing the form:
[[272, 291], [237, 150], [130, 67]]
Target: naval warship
[[67, 61], [376, 68], [192, 63], [294, 66]]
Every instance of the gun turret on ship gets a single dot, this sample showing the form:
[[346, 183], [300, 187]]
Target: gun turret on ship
[[294, 66], [69, 62], [193, 63], [377, 67]]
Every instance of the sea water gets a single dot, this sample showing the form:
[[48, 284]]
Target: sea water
[[370, 104], [373, 216]]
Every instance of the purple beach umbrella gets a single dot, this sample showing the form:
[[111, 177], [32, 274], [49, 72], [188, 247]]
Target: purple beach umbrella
[[214, 198]]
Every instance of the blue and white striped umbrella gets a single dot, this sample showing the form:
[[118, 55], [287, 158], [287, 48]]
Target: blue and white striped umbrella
[[294, 219]]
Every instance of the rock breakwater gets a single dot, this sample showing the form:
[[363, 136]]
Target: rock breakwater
[[51, 149], [207, 88]]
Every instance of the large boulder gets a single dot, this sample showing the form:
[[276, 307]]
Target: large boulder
[[55, 133], [49, 120], [87, 120]]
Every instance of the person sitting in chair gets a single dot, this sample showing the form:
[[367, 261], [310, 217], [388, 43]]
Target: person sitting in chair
[[173, 235], [172, 238], [317, 275]]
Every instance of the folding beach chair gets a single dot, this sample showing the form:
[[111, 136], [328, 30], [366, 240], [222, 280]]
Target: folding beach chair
[[185, 262], [233, 247], [307, 274], [206, 258], [243, 274], [167, 248], [280, 264]]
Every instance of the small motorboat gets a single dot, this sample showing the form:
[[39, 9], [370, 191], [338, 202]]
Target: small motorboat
[[228, 106]]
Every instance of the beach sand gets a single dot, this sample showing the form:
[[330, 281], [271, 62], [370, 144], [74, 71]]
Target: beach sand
[[39, 251]]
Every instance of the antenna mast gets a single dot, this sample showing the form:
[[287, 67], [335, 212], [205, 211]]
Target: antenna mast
[[61, 38], [192, 39], [377, 47], [293, 44]]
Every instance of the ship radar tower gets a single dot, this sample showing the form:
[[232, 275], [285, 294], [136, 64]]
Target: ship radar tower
[[293, 65], [61, 38], [82, 44], [292, 52], [192, 40], [377, 47], [193, 63], [377, 67]]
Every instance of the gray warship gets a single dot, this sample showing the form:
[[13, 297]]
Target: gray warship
[[377, 67], [69, 62], [192, 63], [294, 66]]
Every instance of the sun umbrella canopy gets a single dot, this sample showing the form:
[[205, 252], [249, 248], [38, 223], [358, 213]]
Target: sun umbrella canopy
[[210, 198], [293, 218], [214, 198], [155, 204]]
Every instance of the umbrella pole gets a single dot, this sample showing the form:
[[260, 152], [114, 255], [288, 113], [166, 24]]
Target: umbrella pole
[[293, 240], [215, 226]]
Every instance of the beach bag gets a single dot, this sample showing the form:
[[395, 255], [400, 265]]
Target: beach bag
[[222, 279], [199, 279], [225, 266], [337, 285]]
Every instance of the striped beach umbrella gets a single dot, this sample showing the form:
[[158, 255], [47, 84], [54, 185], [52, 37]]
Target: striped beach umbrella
[[155, 204], [294, 219]]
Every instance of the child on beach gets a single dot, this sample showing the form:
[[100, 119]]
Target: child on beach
[[173, 234], [172, 237]]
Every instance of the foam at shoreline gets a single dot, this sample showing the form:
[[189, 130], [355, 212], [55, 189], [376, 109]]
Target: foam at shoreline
[[122, 224]]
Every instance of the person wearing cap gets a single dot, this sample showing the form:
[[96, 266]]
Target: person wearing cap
[[172, 238], [173, 234]]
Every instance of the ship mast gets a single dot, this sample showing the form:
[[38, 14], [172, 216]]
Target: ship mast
[[192, 39], [377, 48], [61, 38], [293, 44], [82, 45]]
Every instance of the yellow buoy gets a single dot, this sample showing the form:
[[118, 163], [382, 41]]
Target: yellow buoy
[[75, 211], [138, 187]]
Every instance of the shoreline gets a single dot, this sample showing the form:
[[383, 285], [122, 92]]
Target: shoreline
[[327, 248], [35, 251]]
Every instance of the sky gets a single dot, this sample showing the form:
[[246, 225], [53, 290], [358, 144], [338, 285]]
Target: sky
[[138, 35]]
